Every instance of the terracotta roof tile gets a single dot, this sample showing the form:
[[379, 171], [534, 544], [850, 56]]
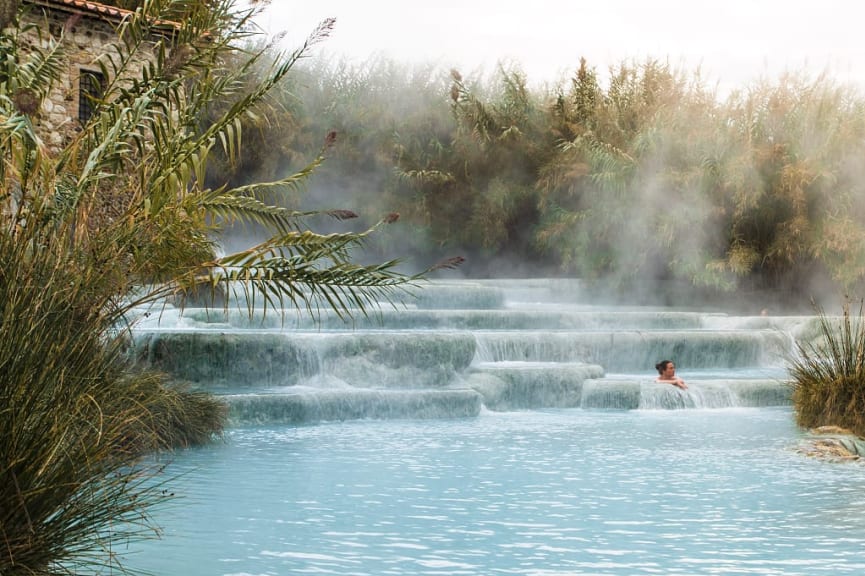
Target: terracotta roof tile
[[96, 9], [86, 7]]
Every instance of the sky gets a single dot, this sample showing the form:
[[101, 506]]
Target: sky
[[733, 42]]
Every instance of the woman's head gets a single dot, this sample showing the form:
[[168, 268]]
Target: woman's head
[[664, 366]]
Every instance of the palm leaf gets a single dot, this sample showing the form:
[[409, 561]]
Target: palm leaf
[[42, 68]]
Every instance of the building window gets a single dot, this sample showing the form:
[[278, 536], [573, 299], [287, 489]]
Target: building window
[[91, 87]]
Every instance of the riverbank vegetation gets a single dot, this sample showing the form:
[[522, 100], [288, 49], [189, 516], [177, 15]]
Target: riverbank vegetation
[[828, 371], [118, 219], [640, 178]]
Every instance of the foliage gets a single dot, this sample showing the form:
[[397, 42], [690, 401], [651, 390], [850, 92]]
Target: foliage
[[74, 421], [627, 185], [383, 112], [646, 181], [473, 186], [828, 373], [115, 220], [791, 185]]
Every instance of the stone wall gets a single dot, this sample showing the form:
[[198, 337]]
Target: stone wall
[[85, 40]]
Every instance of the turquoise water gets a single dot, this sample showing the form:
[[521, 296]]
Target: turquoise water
[[543, 493]]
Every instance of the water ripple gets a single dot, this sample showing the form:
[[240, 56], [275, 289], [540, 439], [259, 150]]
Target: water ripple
[[537, 494]]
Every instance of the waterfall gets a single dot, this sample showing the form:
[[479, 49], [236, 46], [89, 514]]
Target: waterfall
[[454, 348]]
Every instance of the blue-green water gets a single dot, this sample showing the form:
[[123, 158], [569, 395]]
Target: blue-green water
[[531, 493]]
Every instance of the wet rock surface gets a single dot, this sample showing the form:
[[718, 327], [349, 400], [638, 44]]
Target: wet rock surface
[[832, 443]]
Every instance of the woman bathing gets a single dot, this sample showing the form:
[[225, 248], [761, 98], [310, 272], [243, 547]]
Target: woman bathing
[[667, 374]]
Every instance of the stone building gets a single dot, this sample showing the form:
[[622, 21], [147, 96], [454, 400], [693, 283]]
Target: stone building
[[88, 30]]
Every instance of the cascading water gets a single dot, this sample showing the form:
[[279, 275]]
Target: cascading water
[[458, 347], [498, 428]]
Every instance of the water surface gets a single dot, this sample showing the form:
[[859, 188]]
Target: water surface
[[555, 492]]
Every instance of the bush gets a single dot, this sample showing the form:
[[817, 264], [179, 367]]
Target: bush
[[828, 374], [74, 421]]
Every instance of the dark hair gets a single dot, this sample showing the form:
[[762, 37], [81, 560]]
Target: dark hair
[[662, 365]]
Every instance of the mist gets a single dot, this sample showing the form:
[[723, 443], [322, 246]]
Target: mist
[[642, 180]]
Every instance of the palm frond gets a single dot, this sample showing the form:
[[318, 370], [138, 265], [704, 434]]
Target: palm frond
[[294, 181], [224, 129], [42, 68], [244, 209]]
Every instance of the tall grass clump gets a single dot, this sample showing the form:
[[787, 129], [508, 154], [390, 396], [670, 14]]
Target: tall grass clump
[[74, 421], [828, 373]]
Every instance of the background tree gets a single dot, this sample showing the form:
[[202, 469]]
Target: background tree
[[792, 182], [475, 187], [641, 179], [624, 198]]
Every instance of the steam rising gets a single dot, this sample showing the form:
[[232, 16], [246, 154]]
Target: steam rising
[[651, 185]]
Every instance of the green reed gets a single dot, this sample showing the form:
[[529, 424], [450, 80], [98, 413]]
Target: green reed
[[828, 373]]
